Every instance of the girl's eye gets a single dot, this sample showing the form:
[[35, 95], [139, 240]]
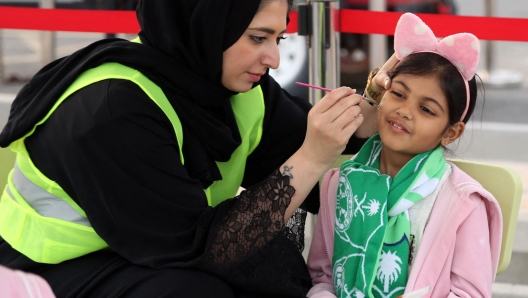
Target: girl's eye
[[257, 39], [397, 94], [280, 38], [427, 110]]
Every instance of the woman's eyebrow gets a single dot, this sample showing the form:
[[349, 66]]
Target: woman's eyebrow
[[423, 97], [267, 30]]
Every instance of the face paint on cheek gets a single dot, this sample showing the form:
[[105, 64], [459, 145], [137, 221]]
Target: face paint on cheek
[[381, 102]]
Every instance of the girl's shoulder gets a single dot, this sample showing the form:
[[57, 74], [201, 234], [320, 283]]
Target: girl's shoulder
[[463, 191], [463, 184]]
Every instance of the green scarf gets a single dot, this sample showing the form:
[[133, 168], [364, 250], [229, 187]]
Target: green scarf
[[371, 246]]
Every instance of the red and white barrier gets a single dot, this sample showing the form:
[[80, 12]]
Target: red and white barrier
[[351, 21]]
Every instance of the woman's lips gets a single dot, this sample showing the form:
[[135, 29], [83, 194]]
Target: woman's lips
[[254, 76]]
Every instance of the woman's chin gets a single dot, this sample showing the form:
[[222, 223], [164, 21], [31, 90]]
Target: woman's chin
[[242, 88]]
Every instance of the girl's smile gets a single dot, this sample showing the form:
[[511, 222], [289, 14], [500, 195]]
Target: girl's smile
[[413, 118], [398, 127]]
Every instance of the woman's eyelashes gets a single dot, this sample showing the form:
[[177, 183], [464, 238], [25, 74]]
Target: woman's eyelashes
[[258, 39], [261, 39]]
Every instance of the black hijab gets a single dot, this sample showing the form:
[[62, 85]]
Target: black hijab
[[183, 42]]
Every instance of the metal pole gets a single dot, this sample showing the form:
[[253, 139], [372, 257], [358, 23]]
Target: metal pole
[[489, 10], [491, 75], [324, 67], [377, 42], [47, 37], [1, 60]]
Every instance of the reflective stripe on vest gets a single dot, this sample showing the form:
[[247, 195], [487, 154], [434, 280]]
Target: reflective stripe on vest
[[43, 202], [41, 221]]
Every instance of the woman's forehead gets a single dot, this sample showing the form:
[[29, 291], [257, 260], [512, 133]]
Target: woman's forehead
[[271, 19]]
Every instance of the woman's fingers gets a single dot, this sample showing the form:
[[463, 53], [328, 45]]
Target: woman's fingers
[[333, 118], [331, 123], [335, 103], [381, 80], [390, 63], [352, 126], [332, 98], [345, 112]]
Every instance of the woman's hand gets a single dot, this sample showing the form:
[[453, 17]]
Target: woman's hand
[[378, 84], [381, 80], [331, 123]]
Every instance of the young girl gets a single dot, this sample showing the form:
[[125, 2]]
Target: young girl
[[397, 217]]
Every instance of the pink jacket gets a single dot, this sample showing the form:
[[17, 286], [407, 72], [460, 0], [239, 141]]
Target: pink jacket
[[459, 251], [18, 284]]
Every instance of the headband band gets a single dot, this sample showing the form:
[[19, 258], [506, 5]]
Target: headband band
[[412, 35]]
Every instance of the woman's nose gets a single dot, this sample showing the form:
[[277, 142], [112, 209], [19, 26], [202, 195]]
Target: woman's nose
[[272, 57]]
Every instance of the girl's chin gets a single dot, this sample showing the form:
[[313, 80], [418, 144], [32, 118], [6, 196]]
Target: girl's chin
[[393, 141]]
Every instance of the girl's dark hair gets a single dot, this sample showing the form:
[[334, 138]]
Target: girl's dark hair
[[451, 81]]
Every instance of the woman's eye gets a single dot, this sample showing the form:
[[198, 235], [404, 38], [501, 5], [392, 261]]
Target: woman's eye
[[257, 39], [427, 110], [280, 38]]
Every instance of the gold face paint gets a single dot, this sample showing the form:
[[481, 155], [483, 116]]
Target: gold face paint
[[381, 102]]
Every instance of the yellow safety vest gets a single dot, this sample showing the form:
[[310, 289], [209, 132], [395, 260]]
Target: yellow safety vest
[[40, 220]]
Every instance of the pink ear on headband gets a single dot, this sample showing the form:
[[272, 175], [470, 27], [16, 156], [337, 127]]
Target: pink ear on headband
[[412, 35]]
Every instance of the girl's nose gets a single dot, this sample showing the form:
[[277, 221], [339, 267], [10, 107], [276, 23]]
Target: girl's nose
[[404, 113]]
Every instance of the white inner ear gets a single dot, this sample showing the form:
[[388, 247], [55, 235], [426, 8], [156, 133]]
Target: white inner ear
[[450, 41], [420, 29], [476, 45], [460, 67], [404, 52]]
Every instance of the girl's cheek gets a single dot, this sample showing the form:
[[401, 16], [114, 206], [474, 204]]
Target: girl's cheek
[[381, 103]]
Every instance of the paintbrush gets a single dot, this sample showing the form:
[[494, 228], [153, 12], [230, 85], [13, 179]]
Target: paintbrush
[[370, 102]]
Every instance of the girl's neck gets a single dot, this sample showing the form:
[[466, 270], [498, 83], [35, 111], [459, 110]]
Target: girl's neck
[[392, 162]]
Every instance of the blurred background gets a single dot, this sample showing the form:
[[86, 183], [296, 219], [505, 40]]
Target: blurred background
[[497, 133]]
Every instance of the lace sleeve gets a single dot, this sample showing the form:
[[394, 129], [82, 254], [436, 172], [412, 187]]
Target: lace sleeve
[[251, 247], [254, 219]]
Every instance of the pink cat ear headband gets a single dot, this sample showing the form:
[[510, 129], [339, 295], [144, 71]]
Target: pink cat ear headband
[[412, 35]]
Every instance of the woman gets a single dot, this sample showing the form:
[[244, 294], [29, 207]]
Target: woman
[[130, 155]]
